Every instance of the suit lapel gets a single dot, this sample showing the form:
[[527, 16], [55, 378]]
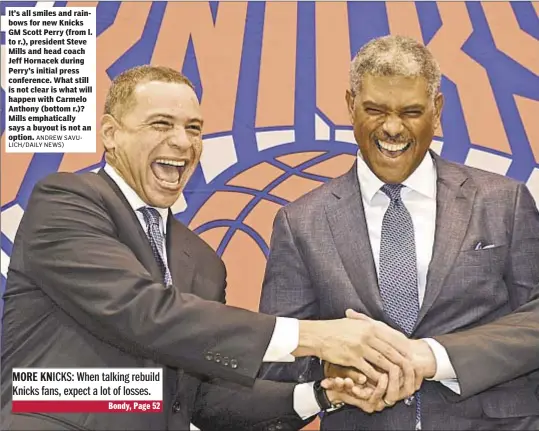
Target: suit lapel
[[136, 234], [346, 218], [180, 261], [454, 203]]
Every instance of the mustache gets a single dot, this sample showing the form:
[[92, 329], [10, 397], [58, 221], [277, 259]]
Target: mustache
[[402, 138]]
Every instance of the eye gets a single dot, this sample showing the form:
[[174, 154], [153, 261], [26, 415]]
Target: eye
[[161, 125], [194, 128], [373, 111], [413, 114]]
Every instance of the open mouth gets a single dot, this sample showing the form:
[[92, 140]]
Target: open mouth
[[392, 150], [168, 172]]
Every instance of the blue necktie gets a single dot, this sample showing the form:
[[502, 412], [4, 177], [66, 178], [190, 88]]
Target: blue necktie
[[398, 268], [157, 240]]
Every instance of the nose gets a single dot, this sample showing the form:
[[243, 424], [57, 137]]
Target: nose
[[180, 139], [393, 126]]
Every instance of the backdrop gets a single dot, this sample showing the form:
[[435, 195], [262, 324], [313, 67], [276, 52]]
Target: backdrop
[[272, 78]]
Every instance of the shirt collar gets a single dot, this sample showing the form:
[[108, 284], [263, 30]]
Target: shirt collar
[[422, 180], [132, 197]]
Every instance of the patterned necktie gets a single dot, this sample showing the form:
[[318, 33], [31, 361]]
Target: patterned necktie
[[157, 240], [398, 268]]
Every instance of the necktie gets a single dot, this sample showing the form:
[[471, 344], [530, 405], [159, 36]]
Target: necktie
[[157, 240], [398, 268]]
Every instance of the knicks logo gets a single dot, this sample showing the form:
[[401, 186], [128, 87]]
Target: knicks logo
[[272, 78]]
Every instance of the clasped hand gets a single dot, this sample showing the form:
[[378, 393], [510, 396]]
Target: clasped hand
[[388, 366]]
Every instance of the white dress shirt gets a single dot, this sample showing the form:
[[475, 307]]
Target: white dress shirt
[[285, 338]]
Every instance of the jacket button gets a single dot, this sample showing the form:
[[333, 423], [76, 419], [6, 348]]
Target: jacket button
[[279, 426], [271, 428], [226, 361], [234, 363], [409, 401], [217, 357], [209, 356], [176, 407]]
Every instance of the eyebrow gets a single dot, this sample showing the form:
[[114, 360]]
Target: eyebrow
[[172, 118], [370, 103], [414, 106]]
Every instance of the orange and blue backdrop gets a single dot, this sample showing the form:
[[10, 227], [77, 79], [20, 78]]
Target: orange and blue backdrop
[[272, 77]]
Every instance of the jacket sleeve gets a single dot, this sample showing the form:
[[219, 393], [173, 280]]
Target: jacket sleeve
[[71, 251], [287, 291], [222, 406]]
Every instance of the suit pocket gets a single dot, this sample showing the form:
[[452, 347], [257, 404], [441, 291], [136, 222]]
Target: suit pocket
[[490, 257], [517, 402]]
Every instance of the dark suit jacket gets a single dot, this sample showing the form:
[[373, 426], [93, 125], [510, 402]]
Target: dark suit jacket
[[83, 290], [321, 263]]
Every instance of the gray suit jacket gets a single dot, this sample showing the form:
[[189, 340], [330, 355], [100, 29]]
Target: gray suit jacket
[[84, 290], [481, 305]]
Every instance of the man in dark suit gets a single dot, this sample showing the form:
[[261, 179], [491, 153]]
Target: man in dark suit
[[102, 275], [444, 253]]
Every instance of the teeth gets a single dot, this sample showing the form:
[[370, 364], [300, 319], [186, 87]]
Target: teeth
[[392, 147], [170, 162]]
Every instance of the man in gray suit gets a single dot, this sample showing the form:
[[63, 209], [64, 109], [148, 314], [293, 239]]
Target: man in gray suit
[[102, 275], [444, 253]]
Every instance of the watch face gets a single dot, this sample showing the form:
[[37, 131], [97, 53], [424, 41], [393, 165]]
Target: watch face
[[335, 407]]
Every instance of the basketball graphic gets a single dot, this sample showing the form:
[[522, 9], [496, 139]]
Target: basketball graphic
[[237, 221]]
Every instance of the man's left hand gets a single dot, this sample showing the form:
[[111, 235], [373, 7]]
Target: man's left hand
[[418, 351]]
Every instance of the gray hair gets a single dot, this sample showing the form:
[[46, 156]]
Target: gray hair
[[395, 56]]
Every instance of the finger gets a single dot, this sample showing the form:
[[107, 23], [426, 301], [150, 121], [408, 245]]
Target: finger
[[368, 370], [348, 384], [393, 386], [363, 393], [353, 401], [373, 356], [380, 406], [360, 378], [328, 383], [333, 370], [355, 375], [393, 338], [339, 384], [418, 381], [352, 314], [408, 373], [380, 390], [389, 354]]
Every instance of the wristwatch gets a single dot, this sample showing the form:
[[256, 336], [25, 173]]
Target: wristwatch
[[322, 398]]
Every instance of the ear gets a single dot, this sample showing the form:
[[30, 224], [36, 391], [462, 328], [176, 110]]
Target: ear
[[109, 127], [438, 107], [350, 105]]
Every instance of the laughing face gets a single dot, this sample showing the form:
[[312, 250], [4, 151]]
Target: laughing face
[[394, 121], [157, 143]]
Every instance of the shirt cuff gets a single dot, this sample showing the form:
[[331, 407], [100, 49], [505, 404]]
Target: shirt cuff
[[284, 341], [444, 368], [445, 373], [305, 403]]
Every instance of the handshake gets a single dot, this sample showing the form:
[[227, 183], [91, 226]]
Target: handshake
[[367, 363]]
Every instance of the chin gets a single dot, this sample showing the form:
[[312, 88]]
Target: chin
[[158, 199], [167, 202]]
